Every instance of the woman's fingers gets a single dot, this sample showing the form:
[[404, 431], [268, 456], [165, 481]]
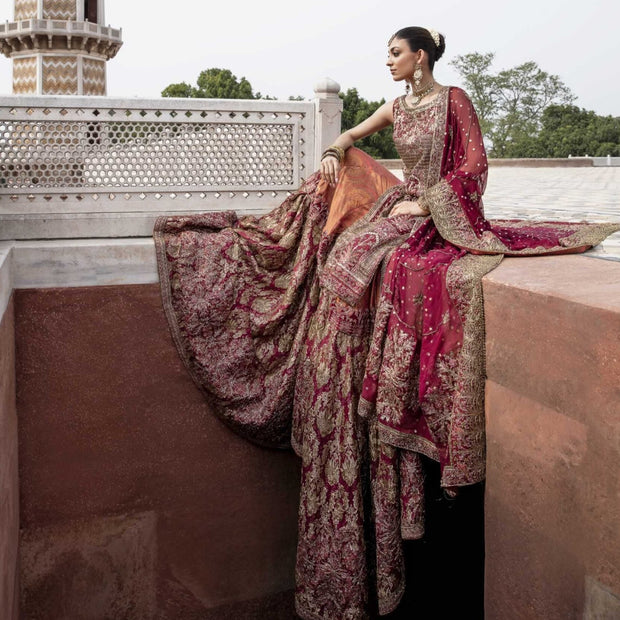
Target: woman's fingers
[[408, 207], [402, 207], [329, 169]]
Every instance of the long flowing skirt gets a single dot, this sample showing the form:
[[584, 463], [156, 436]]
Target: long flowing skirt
[[354, 337]]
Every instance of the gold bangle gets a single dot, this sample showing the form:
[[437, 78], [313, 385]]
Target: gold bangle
[[335, 151]]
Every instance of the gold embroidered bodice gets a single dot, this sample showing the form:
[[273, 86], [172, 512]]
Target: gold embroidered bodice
[[419, 135]]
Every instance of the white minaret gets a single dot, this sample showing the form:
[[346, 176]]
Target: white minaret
[[59, 47]]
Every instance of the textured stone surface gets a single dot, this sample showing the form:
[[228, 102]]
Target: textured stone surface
[[601, 604], [553, 332], [83, 262], [60, 75], [9, 493], [59, 9], [25, 9], [100, 568], [110, 424], [25, 76], [553, 429], [6, 275], [178, 603]]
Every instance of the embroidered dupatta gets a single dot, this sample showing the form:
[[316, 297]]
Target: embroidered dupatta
[[423, 390], [272, 318]]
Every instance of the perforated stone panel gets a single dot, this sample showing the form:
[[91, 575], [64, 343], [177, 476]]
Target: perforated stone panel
[[129, 154], [59, 9], [93, 77], [100, 167], [26, 9], [25, 76], [60, 75]]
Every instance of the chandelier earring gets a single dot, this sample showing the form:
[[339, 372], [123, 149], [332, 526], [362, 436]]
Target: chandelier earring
[[417, 76]]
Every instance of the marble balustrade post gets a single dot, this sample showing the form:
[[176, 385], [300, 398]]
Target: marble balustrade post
[[328, 111]]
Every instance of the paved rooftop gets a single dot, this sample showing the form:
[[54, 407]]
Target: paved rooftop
[[569, 194], [566, 194]]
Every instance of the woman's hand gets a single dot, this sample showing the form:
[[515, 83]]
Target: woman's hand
[[409, 207], [330, 167]]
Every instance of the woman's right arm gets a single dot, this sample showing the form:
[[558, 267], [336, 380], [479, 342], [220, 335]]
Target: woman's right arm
[[380, 119]]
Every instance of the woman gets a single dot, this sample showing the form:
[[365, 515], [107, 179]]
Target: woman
[[353, 312]]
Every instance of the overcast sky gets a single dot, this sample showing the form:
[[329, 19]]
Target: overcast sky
[[284, 48]]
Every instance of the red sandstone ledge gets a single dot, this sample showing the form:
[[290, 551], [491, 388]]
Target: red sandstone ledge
[[553, 423], [213, 518], [575, 278]]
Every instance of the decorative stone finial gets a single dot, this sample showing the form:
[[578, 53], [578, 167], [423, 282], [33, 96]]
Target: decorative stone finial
[[327, 86]]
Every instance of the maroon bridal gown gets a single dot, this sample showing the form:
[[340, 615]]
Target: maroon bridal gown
[[357, 338]]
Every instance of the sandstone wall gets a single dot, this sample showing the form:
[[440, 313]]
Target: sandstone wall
[[553, 436], [136, 500], [9, 493]]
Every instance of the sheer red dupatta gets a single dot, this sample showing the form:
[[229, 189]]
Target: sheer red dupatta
[[425, 369], [455, 202]]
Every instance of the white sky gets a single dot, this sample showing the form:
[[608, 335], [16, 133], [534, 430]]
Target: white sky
[[284, 47]]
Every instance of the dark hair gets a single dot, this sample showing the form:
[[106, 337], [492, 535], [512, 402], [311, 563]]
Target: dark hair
[[421, 39]]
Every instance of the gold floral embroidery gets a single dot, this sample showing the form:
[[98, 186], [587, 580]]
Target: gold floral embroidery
[[453, 225], [262, 339], [419, 135], [466, 433]]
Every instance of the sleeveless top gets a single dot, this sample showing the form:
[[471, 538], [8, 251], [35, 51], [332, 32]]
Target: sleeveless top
[[419, 136]]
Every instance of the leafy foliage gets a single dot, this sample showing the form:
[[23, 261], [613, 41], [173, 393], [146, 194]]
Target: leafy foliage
[[181, 89], [356, 109], [569, 130], [213, 84], [510, 104], [474, 70]]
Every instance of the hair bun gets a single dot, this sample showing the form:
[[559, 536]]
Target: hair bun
[[417, 37], [441, 48]]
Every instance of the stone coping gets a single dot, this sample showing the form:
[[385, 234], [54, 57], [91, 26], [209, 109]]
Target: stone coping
[[64, 263], [598, 281], [81, 262]]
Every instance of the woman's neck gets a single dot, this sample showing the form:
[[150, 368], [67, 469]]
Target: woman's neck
[[426, 92]]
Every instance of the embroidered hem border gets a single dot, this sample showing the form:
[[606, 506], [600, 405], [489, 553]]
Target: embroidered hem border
[[453, 226]]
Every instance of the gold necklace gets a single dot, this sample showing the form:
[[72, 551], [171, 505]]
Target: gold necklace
[[418, 95]]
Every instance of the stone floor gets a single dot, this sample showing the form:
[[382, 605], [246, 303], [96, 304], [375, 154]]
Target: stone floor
[[568, 194]]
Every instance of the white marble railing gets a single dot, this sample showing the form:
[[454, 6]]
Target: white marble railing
[[101, 167]]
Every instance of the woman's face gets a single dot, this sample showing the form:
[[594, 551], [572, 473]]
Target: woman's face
[[401, 60]]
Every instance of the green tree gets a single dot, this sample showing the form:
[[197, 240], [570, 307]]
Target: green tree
[[356, 109], [569, 130], [182, 89], [213, 84], [510, 103], [475, 72]]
